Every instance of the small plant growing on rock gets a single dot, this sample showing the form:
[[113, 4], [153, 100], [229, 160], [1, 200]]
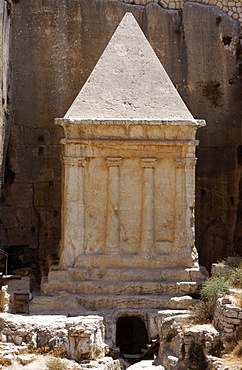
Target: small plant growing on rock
[[117, 367], [232, 262], [235, 277], [234, 273], [9, 7], [215, 286], [203, 311], [56, 364], [6, 112]]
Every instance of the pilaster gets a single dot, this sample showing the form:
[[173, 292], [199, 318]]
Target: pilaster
[[147, 213], [113, 218], [73, 224]]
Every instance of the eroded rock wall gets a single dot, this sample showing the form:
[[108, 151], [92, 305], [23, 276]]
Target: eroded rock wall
[[5, 78], [55, 47]]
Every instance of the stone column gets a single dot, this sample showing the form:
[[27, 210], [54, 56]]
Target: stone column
[[180, 204], [147, 216], [185, 202], [113, 218], [73, 219], [190, 198]]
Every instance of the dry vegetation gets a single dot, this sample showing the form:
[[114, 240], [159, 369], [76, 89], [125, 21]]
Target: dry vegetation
[[56, 364], [217, 285]]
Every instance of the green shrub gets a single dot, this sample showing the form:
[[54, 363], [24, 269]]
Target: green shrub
[[217, 285], [213, 287], [203, 311]]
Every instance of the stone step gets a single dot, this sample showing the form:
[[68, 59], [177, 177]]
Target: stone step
[[120, 287], [62, 304], [74, 305], [174, 259], [96, 302], [129, 274]]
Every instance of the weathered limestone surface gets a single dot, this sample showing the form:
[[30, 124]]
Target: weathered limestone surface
[[182, 343], [179, 340], [82, 337], [116, 127], [15, 357], [62, 43]]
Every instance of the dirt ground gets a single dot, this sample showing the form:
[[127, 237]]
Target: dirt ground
[[39, 363]]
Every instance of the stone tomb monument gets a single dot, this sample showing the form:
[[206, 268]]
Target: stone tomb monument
[[127, 244]]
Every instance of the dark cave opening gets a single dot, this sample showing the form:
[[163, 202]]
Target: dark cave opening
[[131, 335]]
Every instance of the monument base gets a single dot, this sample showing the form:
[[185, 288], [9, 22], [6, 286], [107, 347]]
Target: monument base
[[119, 292]]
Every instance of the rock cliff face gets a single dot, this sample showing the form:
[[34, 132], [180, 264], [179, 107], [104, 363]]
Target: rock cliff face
[[5, 78], [55, 45]]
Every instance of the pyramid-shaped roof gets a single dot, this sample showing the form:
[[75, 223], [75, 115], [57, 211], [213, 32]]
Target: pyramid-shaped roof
[[129, 83]]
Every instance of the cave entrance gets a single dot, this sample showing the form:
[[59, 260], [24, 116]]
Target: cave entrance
[[131, 335]]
